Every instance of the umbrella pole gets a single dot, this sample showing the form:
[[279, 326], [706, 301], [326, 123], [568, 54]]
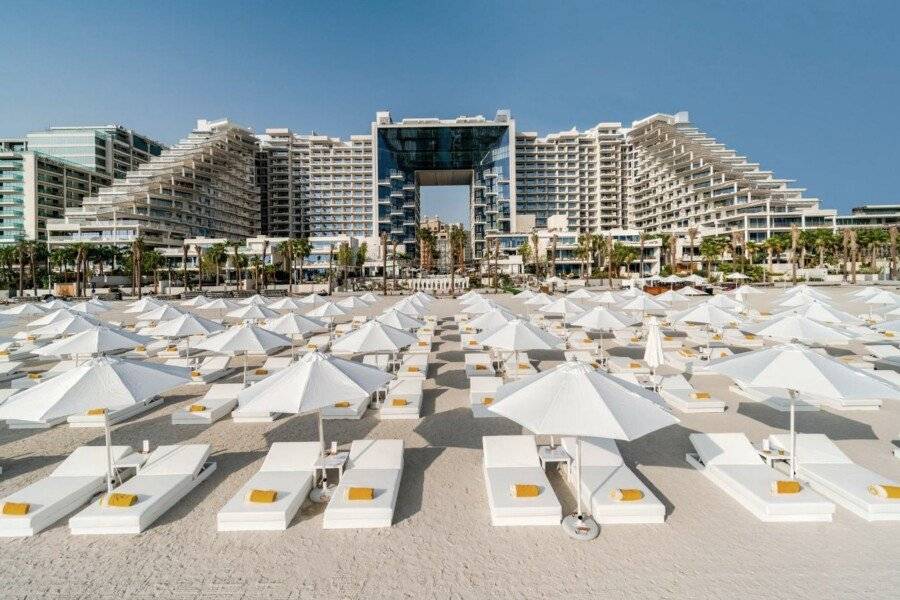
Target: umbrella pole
[[245, 367], [322, 440], [578, 484], [793, 394], [109, 465]]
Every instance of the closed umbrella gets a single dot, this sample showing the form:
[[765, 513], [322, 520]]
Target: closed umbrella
[[244, 339], [310, 384], [801, 370], [100, 383], [653, 351], [573, 399]]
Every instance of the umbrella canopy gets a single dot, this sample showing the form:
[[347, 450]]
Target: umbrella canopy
[[524, 295], [90, 308], [736, 276], [312, 300], [60, 314], [352, 302], [408, 307], [519, 335], [25, 309], [865, 293], [800, 299], [370, 298], [102, 382], [892, 326], [55, 304], [255, 299], [604, 319], [143, 305], [726, 302], [695, 279], [563, 308], [630, 292], [671, 279], [163, 313], [327, 309], [68, 326], [184, 326], [244, 338], [580, 294], [824, 313], [480, 307], [883, 298], [477, 298], [395, 318], [196, 302], [287, 303], [97, 340], [540, 299], [653, 352], [372, 337], [643, 303], [252, 312], [691, 291], [671, 296], [806, 291], [468, 295], [747, 290], [220, 304], [422, 296], [793, 327], [492, 320], [293, 325], [706, 314]]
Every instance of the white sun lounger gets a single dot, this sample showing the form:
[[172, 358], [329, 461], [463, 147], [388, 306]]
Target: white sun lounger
[[515, 368], [376, 464], [468, 342], [482, 393], [882, 350], [167, 476], [579, 340], [478, 364], [115, 416], [584, 356], [355, 410], [623, 364], [733, 337], [627, 337], [413, 365], [148, 350], [10, 369], [420, 347], [172, 350], [320, 342], [289, 471], [680, 394], [510, 460], [379, 361], [70, 486], [731, 462], [30, 380], [603, 472], [272, 365], [831, 473], [403, 399], [218, 401], [212, 368]]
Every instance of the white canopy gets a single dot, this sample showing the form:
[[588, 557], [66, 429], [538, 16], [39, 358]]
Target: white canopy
[[287, 303], [523, 295], [747, 290], [562, 307], [480, 307], [706, 314], [98, 340], [407, 307], [605, 297], [196, 302], [493, 319], [400, 320], [865, 293], [603, 319], [90, 308], [183, 326], [244, 338], [162, 313], [328, 309], [671, 296], [691, 291], [370, 298], [540, 299], [643, 303], [726, 302], [252, 312], [68, 326], [143, 305], [580, 294], [312, 299], [55, 304], [883, 298], [792, 327], [24, 309], [293, 325], [352, 302], [372, 337], [60, 314], [220, 304], [736, 276], [519, 335], [824, 313], [255, 299]]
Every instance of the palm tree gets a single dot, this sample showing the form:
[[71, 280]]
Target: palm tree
[[621, 255], [184, 270], [537, 262], [21, 247], [345, 259], [795, 238], [583, 252], [235, 246], [853, 256], [553, 256], [692, 235], [262, 274], [198, 249], [330, 271], [892, 233], [32, 248], [609, 258], [458, 240], [525, 252], [286, 249], [362, 255], [711, 250], [81, 252], [216, 255], [8, 257], [642, 238], [302, 250], [151, 260], [737, 241], [394, 255], [137, 265]]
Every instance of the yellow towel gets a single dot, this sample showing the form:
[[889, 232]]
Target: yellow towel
[[487, 401], [473, 343], [360, 493], [423, 344], [891, 492], [196, 408], [399, 402], [634, 365], [263, 496], [786, 486], [16, 509], [481, 367], [700, 395], [4, 353], [523, 365], [717, 337], [412, 369], [723, 354], [668, 338], [342, 404], [31, 338], [171, 348], [34, 376], [426, 330], [141, 348], [626, 495], [261, 372], [635, 339], [196, 373], [687, 353], [120, 500], [888, 334], [311, 346], [96, 412], [525, 490], [586, 340]]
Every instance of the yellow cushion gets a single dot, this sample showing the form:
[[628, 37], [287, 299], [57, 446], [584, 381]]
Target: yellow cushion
[[525, 490], [481, 367], [344, 404], [723, 354], [31, 338], [263, 496], [786, 486], [487, 400], [626, 495], [399, 402], [141, 348], [687, 353], [196, 373], [749, 336], [524, 365], [311, 346], [360, 493], [891, 492], [668, 338], [96, 412], [261, 372], [473, 343], [196, 408], [634, 365], [423, 344], [34, 376], [586, 340], [635, 339], [717, 337], [171, 348], [121, 500], [16, 509], [4, 353], [700, 395], [412, 369], [888, 334]]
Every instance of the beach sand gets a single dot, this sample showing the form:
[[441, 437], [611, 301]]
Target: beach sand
[[442, 544]]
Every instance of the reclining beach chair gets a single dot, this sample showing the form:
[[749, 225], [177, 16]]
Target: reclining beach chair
[[272, 365], [421, 346], [380, 361], [518, 490], [72, 484], [95, 418], [32, 379], [680, 394], [271, 498], [822, 465], [367, 493], [167, 476], [468, 342], [478, 364], [624, 364], [413, 365], [614, 492], [320, 342], [579, 340], [482, 393], [218, 401], [734, 465], [403, 399], [516, 367]]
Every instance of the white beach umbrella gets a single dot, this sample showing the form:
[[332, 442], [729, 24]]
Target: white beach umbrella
[[792, 327], [252, 312], [695, 279], [420, 302], [60, 314], [423, 297], [671, 279], [540, 299], [100, 383], [373, 337], [630, 293], [691, 291], [244, 339], [184, 327], [605, 297], [642, 304], [883, 298], [706, 314], [600, 318], [865, 293], [287, 303], [562, 307], [352, 303], [398, 319], [653, 351], [410, 308], [474, 299], [370, 298], [219, 304], [25, 309], [672, 297], [255, 299], [801, 370], [523, 295], [312, 300], [328, 309], [824, 313], [55, 304], [573, 399], [726, 302], [88, 308], [480, 307], [805, 290], [196, 302], [736, 276], [68, 326], [97, 340], [580, 294], [747, 290], [468, 294], [294, 326], [492, 320], [518, 336], [162, 313], [800, 299], [310, 384], [143, 305]]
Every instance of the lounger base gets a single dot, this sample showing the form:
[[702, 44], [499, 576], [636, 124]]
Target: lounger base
[[698, 406], [116, 416], [740, 499], [254, 418], [526, 521], [9, 529], [646, 519], [35, 424]]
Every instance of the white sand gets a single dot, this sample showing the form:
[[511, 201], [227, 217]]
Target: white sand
[[442, 544]]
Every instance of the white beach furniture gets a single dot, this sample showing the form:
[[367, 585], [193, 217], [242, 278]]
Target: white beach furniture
[[218, 401], [353, 410], [167, 476], [211, 368], [10, 369], [413, 365], [380, 361], [831, 473], [114, 416], [320, 342], [731, 462], [623, 364], [510, 461], [482, 393], [468, 342], [375, 465], [580, 340], [71, 485], [403, 399], [478, 364], [272, 365], [32, 379], [603, 473], [289, 471], [421, 346], [517, 367], [680, 394]]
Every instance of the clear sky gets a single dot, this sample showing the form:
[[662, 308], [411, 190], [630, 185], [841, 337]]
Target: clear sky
[[809, 90]]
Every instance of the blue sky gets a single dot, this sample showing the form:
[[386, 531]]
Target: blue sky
[[809, 90]]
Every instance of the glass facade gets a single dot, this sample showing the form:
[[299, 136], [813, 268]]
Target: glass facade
[[477, 156]]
